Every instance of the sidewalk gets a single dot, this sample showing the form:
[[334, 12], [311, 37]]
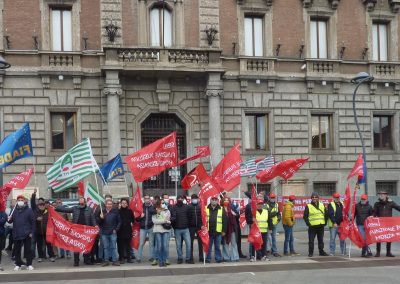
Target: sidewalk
[[64, 269]]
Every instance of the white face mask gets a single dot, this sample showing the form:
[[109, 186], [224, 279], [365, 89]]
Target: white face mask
[[20, 203], [273, 200]]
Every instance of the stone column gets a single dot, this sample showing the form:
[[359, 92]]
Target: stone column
[[142, 23], [214, 92], [113, 91]]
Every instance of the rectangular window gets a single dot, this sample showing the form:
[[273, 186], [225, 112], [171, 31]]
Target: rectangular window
[[389, 186], [253, 36], [256, 132], [379, 42], [61, 29], [63, 130], [321, 131], [383, 132], [161, 27], [71, 193], [318, 39], [324, 188]]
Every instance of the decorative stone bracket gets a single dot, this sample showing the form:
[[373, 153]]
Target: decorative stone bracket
[[271, 86], [336, 87], [369, 4], [112, 90], [372, 88], [46, 82], [309, 3], [397, 89], [214, 93], [395, 5], [77, 82], [163, 94], [243, 85], [310, 87]]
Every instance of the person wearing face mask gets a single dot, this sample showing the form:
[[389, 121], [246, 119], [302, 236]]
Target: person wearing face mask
[[165, 198], [180, 223], [383, 208], [161, 230], [315, 217], [146, 229], [217, 223], [24, 223], [362, 212], [335, 217], [195, 224], [124, 235], [229, 241], [275, 216], [83, 215]]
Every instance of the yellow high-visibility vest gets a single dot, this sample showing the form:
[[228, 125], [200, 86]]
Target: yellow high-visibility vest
[[275, 219], [219, 219], [262, 220], [316, 216], [330, 223]]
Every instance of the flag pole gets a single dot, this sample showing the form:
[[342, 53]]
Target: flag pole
[[98, 191], [204, 258], [34, 171], [176, 181], [127, 187]]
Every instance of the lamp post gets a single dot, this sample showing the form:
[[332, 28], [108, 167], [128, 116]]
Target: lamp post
[[361, 77], [3, 65]]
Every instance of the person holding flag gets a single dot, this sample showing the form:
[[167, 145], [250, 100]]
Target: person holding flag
[[264, 222], [217, 223], [362, 212], [146, 229], [335, 217]]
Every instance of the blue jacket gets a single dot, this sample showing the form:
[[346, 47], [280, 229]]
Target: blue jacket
[[3, 220], [24, 223], [111, 221], [146, 221]]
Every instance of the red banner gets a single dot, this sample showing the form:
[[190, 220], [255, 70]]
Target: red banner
[[136, 204], [73, 237], [194, 177], [135, 241], [227, 172], [346, 201], [382, 229], [20, 181], [242, 220], [205, 238], [201, 152], [358, 168], [154, 158], [4, 193], [285, 169], [255, 237]]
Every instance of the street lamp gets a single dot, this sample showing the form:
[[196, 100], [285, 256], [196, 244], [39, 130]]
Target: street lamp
[[361, 77], [3, 65]]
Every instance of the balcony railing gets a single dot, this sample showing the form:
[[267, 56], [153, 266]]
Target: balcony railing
[[384, 70], [256, 66], [322, 67], [61, 60]]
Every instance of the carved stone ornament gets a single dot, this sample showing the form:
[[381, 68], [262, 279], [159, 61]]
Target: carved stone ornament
[[395, 5], [77, 82], [310, 87], [369, 4], [307, 3], [46, 82], [214, 93], [334, 4], [336, 87], [112, 91], [268, 2], [243, 85], [271, 86], [372, 88]]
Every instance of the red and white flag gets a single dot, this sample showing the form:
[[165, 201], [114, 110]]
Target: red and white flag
[[255, 237], [136, 204], [285, 169], [4, 193], [154, 158], [135, 241], [201, 152], [195, 176], [20, 181], [203, 232], [358, 168], [242, 221], [346, 202], [227, 172]]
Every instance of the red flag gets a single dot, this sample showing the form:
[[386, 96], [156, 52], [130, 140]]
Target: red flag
[[203, 232], [203, 212], [20, 181], [135, 241], [346, 202], [73, 237], [255, 237], [285, 169], [201, 151], [4, 193], [154, 158], [227, 172], [194, 177], [81, 188], [254, 201], [242, 220], [136, 204], [353, 205], [358, 168], [348, 229]]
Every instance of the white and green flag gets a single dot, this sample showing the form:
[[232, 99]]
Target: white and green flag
[[72, 167], [92, 196]]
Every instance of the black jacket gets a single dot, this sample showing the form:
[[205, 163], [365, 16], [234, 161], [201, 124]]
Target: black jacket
[[110, 222], [126, 217], [146, 221], [90, 220], [363, 211], [307, 213], [385, 208], [24, 223], [336, 217], [180, 216], [212, 221], [248, 214], [195, 216]]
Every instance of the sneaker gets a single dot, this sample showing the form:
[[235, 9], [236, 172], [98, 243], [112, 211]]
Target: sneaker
[[167, 262], [105, 264], [389, 254], [310, 255], [276, 254], [180, 261], [208, 261], [30, 267], [16, 268], [52, 259], [154, 263], [189, 261], [116, 263], [151, 259], [265, 258], [39, 260], [294, 253], [252, 259], [331, 254]]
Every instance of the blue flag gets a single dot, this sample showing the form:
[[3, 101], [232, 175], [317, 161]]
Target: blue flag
[[112, 169], [16, 146]]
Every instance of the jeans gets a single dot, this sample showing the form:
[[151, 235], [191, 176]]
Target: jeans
[[2, 244], [64, 252], [27, 243], [143, 234], [334, 231], [162, 244], [312, 232], [272, 239], [110, 247], [230, 251], [215, 239], [289, 240], [185, 235], [361, 229], [193, 232]]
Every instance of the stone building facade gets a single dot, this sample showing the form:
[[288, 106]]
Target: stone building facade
[[273, 74]]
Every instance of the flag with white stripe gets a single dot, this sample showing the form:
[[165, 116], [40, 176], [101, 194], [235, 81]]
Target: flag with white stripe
[[263, 164], [92, 196], [248, 168], [72, 167]]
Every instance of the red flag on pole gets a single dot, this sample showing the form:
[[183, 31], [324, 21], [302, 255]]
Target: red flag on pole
[[4, 193], [346, 202], [255, 236], [20, 181], [254, 201], [227, 172], [154, 158], [285, 169], [201, 151], [203, 232], [81, 188], [135, 241], [242, 220], [136, 204], [195, 176], [358, 168]]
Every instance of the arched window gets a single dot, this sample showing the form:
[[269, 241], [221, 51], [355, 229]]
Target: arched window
[[161, 26], [156, 126]]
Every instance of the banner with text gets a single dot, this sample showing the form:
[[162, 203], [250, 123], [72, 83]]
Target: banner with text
[[382, 229]]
